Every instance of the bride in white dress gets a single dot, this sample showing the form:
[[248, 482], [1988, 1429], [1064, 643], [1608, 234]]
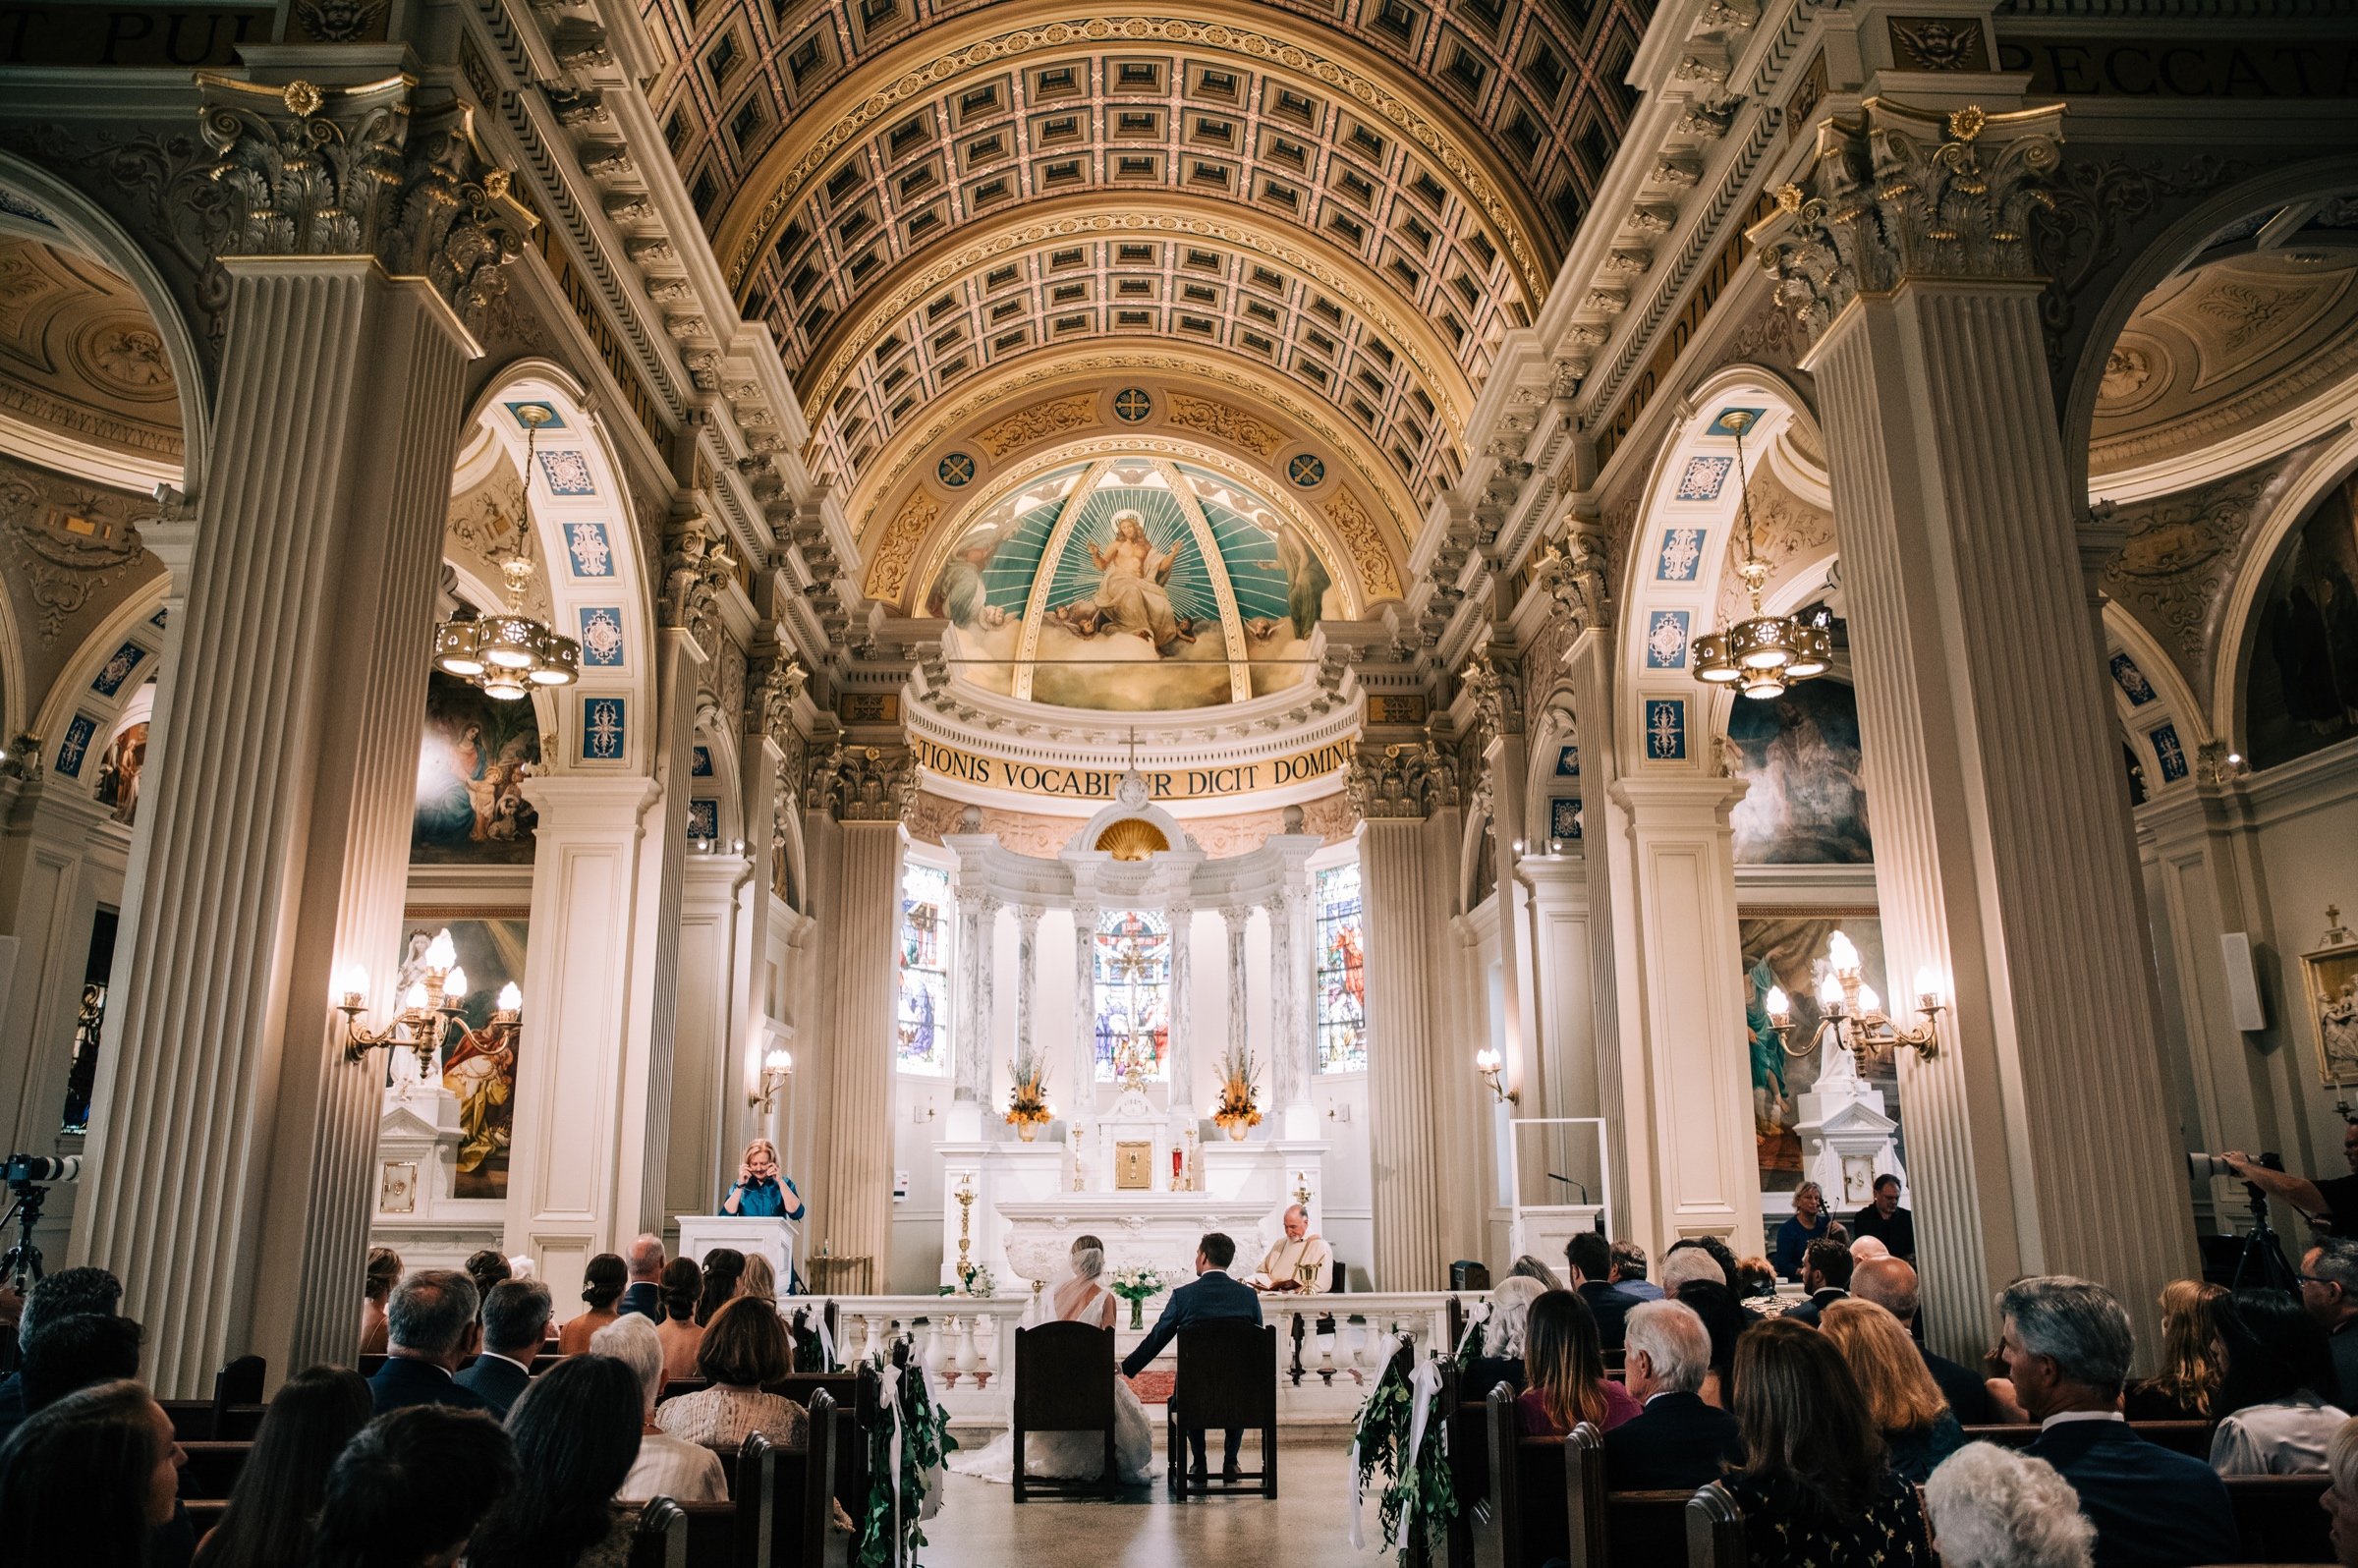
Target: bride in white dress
[[1075, 1455]]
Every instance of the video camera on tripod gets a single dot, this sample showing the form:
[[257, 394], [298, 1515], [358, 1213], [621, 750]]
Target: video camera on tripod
[[2261, 1261], [28, 1178]]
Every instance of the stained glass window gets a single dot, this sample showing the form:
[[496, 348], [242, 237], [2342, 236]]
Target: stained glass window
[[1342, 980], [1133, 995], [923, 1018]]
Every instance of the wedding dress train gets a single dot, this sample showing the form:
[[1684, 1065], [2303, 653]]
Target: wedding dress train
[[1074, 1455]]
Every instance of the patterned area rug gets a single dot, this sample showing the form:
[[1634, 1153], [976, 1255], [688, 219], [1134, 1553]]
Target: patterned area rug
[[1152, 1387]]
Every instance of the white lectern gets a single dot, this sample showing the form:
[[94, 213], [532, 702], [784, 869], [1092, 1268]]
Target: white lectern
[[767, 1235]]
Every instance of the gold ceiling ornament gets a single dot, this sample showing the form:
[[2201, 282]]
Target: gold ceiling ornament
[[888, 576], [1133, 838], [509, 652], [1761, 654], [1039, 423], [1225, 422], [1376, 574]]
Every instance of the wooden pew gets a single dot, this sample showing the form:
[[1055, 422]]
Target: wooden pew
[[660, 1538], [2280, 1517], [1714, 1530], [782, 1495], [2179, 1436], [1524, 1520], [212, 1469]]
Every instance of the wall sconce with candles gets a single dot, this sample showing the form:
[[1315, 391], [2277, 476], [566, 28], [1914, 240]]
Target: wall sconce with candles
[[1488, 1064], [430, 1010], [776, 1068], [1855, 1015]]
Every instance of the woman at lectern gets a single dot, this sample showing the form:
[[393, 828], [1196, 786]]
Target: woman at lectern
[[762, 1190]]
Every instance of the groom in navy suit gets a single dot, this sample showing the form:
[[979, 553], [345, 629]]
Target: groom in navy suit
[[1211, 1297]]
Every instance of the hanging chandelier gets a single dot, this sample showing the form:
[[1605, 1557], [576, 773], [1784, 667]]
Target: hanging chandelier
[[509, 652], [1762, 654]]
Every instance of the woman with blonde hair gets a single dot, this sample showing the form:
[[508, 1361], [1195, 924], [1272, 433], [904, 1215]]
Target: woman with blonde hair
[[1497, 1354], [2188, 1381], [759, 1281], [1917, 1428], [384, 1273]]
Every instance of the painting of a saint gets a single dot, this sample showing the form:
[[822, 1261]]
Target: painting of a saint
[[1804, 804], [478, 1062], [471, 764], [1787, 949], [2301, 687], [119, 772]]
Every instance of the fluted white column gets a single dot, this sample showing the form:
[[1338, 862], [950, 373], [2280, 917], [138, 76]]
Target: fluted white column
[[1083, 1105], [1614, 984], [231, 1142], [2004, 861], [1179, 1059], [1289, 1000], [855, 1196], [1405, 901]]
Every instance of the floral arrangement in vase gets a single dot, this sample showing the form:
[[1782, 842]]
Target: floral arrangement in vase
[[1238, 1104], [1135, 1286], [1027, 1102], [974, 1280]]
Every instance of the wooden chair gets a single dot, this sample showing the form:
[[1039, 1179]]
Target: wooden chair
[[1714, 1530], [1064, 1383], [660, 1539], [1227, 1379]]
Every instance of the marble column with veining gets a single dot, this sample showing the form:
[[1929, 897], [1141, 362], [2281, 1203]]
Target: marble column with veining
[[1082, 1102], [1026, 977], [1239, 919], [1289, 1000], [231, 1142], [1179, 1058], [971, 1039]]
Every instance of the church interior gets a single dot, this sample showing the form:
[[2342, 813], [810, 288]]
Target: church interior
[[1401, 630]]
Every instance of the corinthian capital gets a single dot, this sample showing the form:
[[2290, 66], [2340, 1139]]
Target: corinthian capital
[[1497, 682], [777, 678], [1401, 782], [1904, 193], [696, 565], [864, 783]]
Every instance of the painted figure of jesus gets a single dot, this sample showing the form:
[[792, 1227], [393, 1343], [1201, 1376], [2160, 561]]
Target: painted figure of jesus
[[1130, 596]]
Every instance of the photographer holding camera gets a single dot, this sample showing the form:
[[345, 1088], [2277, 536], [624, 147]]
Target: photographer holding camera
[[2329, 1202]]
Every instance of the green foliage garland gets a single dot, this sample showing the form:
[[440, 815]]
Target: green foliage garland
[[926, 1441], [1383, 1437]]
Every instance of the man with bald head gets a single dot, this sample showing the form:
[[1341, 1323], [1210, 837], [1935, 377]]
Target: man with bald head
[[1300, 1261], [1890, 1283], [644, 1294]]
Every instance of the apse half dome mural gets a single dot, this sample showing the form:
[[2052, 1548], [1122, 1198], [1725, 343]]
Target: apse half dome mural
[[1133, 584]]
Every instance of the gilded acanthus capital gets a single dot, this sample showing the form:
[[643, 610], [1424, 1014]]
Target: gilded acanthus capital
[[1495, 682], [776, 678], [1905, 192], [1401, 782], [360, 171], [696, 567], [864, 783]]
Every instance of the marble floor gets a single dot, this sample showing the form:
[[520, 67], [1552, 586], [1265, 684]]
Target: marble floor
[[979, 1525]]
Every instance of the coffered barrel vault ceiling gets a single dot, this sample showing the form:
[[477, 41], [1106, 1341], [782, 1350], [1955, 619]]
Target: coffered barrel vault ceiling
[[1356, 200]]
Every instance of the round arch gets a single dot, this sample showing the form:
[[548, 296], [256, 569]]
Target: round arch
[[2239, 628], [598, 584], [102, 679], [1542, 781], [2159, 720], [715, 802], [87, 228]]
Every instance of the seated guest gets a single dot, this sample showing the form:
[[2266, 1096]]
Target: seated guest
[[1213, 1295], [485, 1267], [2274, 1361], [744, 1347], [1753, 1279], [515, 1327], [2188, 1379], [2330, 1294], [1991, 1507], [1677, 1441], [1684, 1263], [384, 1273], [1564, 1365], [575, 1433], [724, 1273], [67, 1355], [1883, 1219], [87, 1481], [1498, 1356], [1591, 1259], [603, 1279], [1807, 1225], [2340, 1500], [1529, 1267], [644, 1293], [667, 1466], [1825, 1275], [410, 1490], [1891, 1284], [1867, 1249], [1629, 1272], [1816, 1488], [434, 1329], [1918, 1429], [683, 1281], [64, 1294], [2066, 1346], [1726, 1322], [278, 1492], [759, 1281]]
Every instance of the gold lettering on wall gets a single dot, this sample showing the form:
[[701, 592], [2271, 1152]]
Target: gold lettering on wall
[[2272, 68], [1099, 784]]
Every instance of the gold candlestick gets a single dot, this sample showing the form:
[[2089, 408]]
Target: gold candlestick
[[966, 1219]]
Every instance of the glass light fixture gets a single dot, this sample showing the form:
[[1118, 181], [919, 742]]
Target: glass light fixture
[[1762, 654], [509, 652]]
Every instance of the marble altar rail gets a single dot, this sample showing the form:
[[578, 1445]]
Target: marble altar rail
[[1329, 1348]]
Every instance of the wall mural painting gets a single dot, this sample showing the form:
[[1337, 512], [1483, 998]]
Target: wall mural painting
[[119, 771], [479, 1066], [1788, 949], [1132, 613], [2301, 686], [472, 763], [1799, 754]]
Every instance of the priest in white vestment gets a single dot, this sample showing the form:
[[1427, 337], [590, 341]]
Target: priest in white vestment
[[1301, 1261]]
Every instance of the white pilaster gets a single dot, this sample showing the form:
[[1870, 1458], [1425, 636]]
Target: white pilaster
[[706, 1097], [854, 1199], [1083, 1105], [1179, 1059], [1404, 901]]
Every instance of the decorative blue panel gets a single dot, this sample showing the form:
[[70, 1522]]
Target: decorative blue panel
[[956, 470], [1683, 555], [1703, 477], [77, 745], [1567, 762], [1564, 817], [158, 619], [550, 419], [604, 729], [1666, 641], [704, 819], [2170, 753], [129, 658], [1305, 469], [602, 635], [568, 473], [1719, 425], [699, 762], [2132, 679], [1667, 729], [588, 549]]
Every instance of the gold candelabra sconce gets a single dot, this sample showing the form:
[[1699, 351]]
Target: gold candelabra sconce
[[430, 1009], [1302, 1190], [966, 1220], [1854, 1014], [776, 1068], [1491, 1065]]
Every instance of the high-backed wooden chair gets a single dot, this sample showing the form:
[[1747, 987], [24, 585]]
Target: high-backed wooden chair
[[1714, 1530], [1064, 1383], [660, 1538], [1227, 1379], [240, 1383]]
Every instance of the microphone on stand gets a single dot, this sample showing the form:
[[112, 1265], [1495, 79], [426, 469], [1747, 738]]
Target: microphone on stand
[[1569, 1182]]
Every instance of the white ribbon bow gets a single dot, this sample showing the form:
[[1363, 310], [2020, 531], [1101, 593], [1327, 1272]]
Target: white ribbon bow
[[827, 1340], [1424, 1393], [889, 1392], [1480, 1316], [1359, 1487]]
